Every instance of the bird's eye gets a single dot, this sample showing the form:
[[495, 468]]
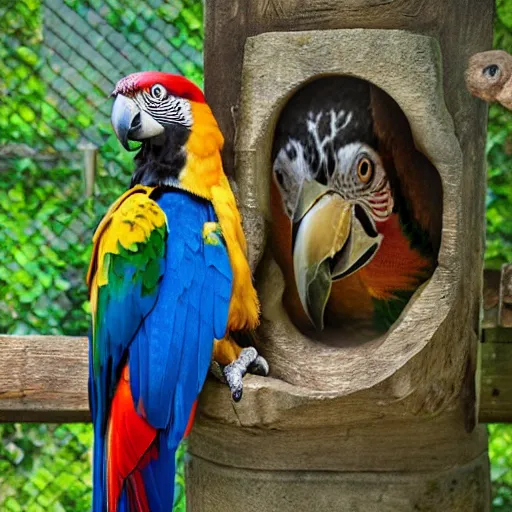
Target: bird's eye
[[365, 169], [491, 71], [279, 176], [158, 92]]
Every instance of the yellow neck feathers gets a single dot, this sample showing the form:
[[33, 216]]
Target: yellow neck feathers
[[203, 175], [203, 166]]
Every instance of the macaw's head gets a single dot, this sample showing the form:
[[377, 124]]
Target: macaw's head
[[334, 217], [161, 111], [488, 77], [338, 228]]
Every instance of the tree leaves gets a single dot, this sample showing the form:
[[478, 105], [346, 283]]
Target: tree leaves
[[499, 159]]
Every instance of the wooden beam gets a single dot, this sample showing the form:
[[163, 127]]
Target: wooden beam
[[496, 347], [496, 383], [491, 298], [505, 296], [43, 378], [497, 298]]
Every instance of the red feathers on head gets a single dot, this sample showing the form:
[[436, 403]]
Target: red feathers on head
[[175, 84]]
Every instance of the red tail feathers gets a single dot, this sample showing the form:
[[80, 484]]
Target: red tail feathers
[[130, 446]]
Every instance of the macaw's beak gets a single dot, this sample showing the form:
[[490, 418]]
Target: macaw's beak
[[132, 123], [333, 239]]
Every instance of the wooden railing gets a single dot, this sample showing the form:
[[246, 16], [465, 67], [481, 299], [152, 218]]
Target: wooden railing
[[496, 347], [44, 378]]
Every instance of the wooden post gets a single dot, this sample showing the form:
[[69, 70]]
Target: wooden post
[[389, 426], [496, 348]]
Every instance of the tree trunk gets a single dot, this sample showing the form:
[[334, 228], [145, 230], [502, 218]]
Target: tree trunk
[[388, 425]]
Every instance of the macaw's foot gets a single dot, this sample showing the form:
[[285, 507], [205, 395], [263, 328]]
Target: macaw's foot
[[231, 362], [259, 366], [234, 372]]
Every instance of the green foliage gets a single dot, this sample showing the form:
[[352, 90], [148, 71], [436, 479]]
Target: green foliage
[[500, 453], [45, 468], [499, 158], [499, 151], [54, 96], [179, 487], [20, 87], [136, 20], [51, 107], [499, 245], [44, 252]]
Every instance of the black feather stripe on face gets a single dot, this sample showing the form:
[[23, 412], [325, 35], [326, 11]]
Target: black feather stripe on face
[[167, 109], [160, 162]]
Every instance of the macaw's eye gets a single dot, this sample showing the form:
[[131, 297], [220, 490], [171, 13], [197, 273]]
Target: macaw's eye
[[279, 176], [365, 169], [158, 92], [491, 71]]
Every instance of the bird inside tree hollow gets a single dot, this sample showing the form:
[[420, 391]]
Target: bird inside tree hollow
[[356, 208]]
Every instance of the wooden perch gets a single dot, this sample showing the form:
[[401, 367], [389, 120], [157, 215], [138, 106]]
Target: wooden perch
[[44, 378], [496, 347]]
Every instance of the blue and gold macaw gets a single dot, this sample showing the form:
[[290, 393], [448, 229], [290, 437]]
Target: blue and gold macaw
[[168, 280]]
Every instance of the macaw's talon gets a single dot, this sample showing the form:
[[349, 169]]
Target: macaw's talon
[[234, 372], [259, 367]]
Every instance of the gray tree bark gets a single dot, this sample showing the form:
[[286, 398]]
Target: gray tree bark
[[385, 426]]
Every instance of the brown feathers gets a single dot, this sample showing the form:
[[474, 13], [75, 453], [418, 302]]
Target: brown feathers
[[410, 172]]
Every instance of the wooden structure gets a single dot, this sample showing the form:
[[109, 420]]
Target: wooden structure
[[389, 425], [496, 348], [330, 433]]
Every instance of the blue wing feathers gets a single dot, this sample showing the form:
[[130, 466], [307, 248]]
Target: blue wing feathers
[[182, 328], [167, 336], [190, 283]]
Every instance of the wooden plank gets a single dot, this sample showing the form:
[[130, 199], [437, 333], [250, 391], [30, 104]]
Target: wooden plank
[[505, 305], [497, 298], [491, 298], [496, 383], [43, 378]]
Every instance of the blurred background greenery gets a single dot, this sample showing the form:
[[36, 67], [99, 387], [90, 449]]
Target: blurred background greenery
[[59, 60], [499, 244]]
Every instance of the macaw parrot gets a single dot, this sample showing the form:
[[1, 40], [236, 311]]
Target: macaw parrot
[[356, 208], [489, 77], [168, 280]]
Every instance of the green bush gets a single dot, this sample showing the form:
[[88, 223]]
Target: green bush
[[49, 106], [45, 468]]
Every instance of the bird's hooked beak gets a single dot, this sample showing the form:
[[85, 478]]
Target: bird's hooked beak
[[132, 123], [333, 239]]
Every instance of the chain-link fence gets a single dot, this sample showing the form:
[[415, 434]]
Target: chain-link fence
[[59, 61], [45, 467], [60, 167]]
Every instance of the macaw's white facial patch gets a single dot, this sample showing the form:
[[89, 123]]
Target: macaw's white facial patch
[[165, 108]]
